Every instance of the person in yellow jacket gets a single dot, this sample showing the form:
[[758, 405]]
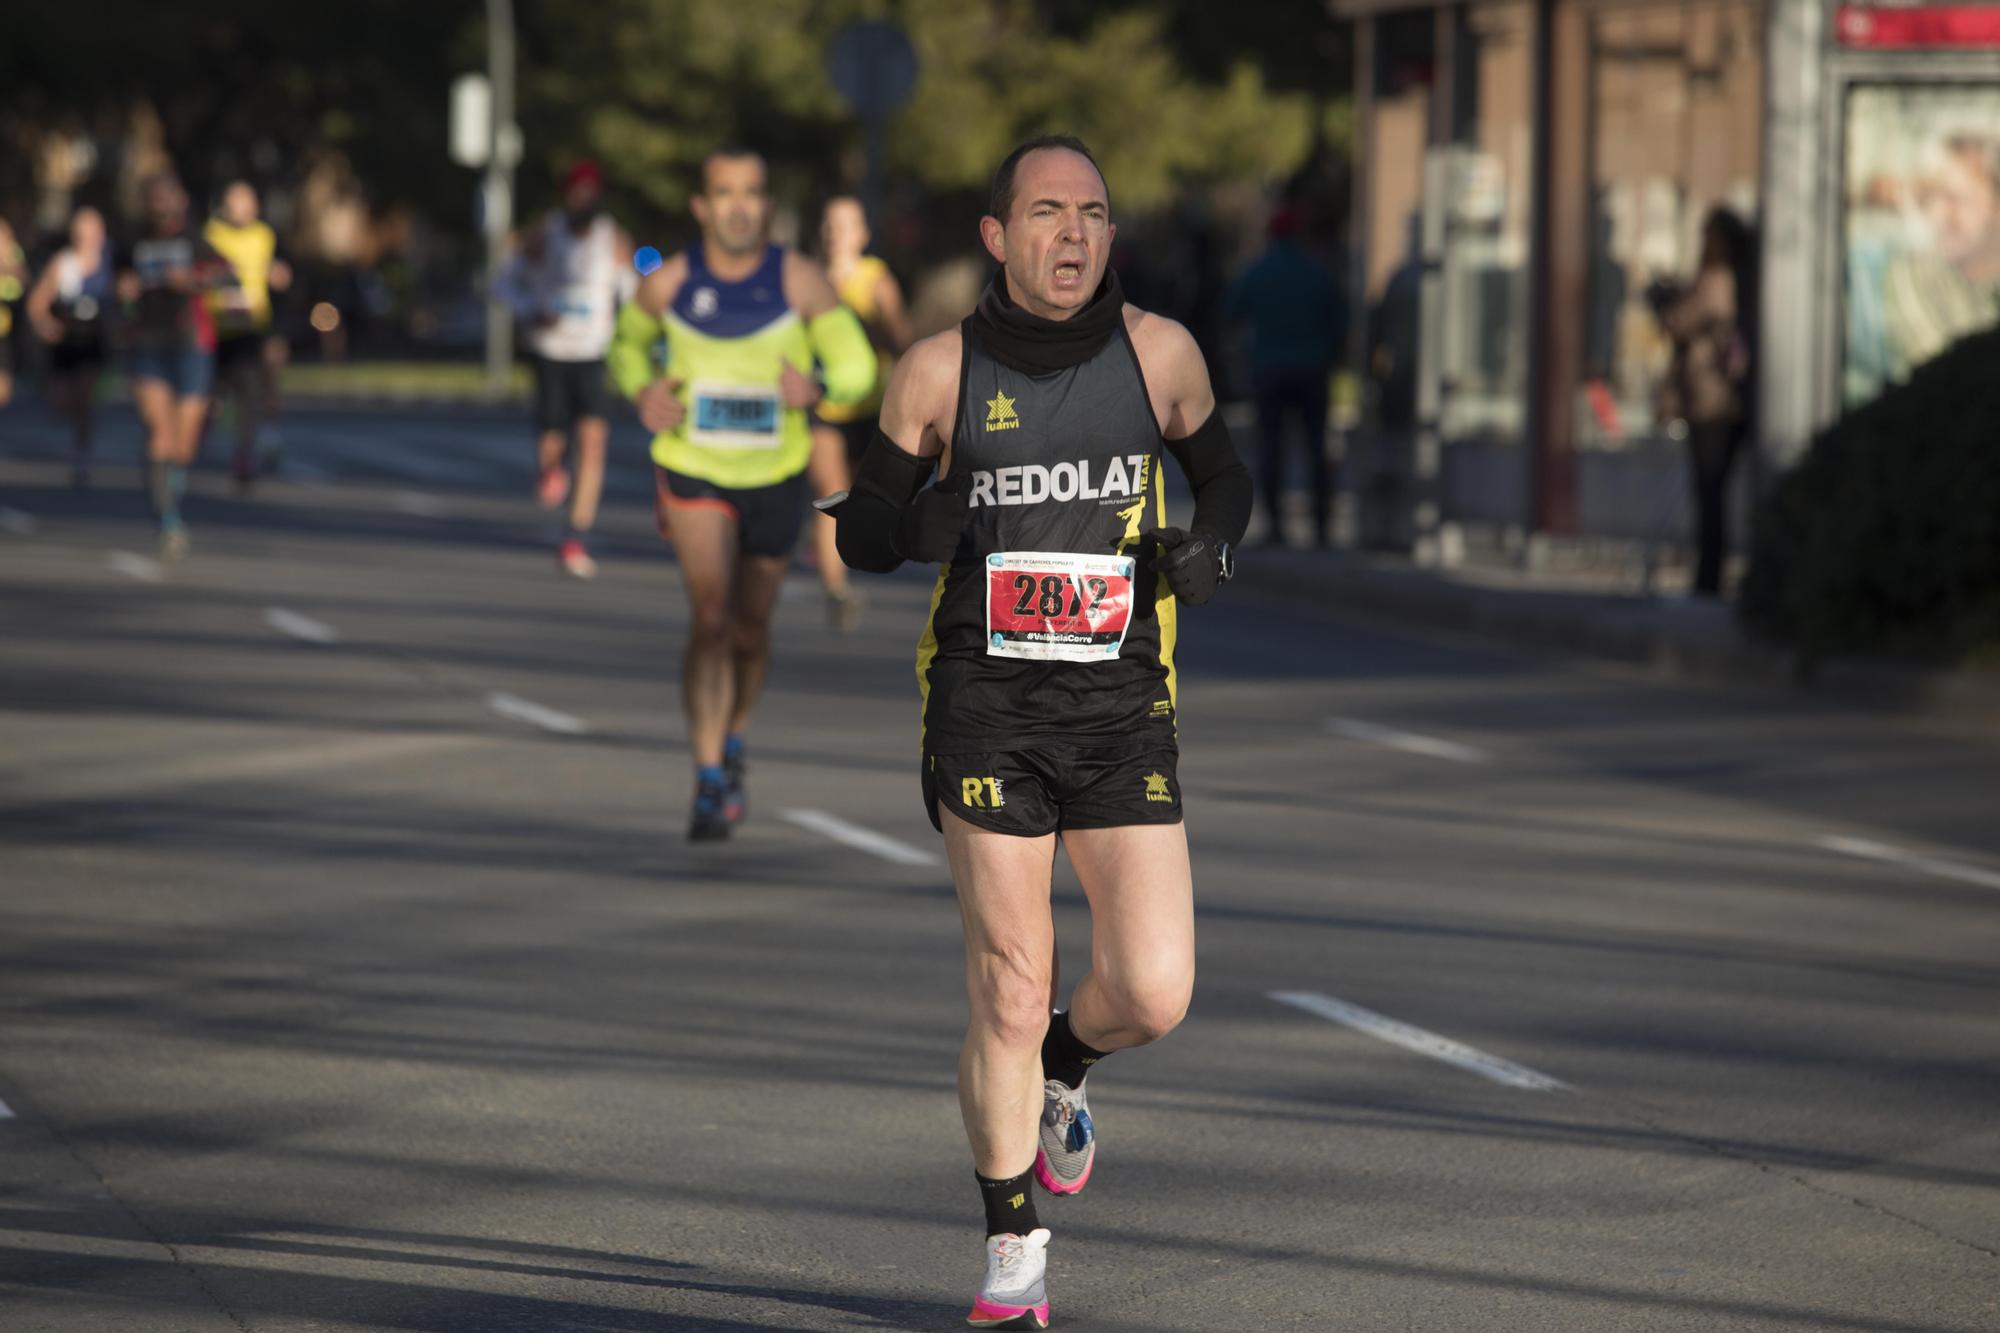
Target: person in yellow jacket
[[744, 322], [842, 430], [242, 316]]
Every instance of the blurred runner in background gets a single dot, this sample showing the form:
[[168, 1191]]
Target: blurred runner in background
[[242, 315], [164, 279], [13, 282], [71, 307], [745, 322], [566, 282], [842, 430]]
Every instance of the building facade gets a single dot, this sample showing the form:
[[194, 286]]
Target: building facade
[[1529, 172]]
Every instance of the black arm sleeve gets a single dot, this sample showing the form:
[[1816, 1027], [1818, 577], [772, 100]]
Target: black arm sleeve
[[864, 521], [1222, 495]]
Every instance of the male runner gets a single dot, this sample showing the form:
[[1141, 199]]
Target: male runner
[[566, 282], [743, 321], [1047, 666], [242, 316]]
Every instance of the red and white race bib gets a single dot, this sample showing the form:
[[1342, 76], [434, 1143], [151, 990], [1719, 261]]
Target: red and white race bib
[[1057, 606]]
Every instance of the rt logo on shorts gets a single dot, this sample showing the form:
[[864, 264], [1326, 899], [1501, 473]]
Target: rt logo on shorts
[[1156, 788], [981, 793]]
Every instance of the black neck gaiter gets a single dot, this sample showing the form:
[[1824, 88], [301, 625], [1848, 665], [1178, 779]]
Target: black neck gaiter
[[1036, 346]]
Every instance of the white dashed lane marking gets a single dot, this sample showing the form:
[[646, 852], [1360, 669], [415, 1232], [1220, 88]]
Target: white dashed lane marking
[[6, 1111], [1896, 856], [1409, 742], [1420, 1040], [139, 567], [861, 839], [298, 626], [515, 708]]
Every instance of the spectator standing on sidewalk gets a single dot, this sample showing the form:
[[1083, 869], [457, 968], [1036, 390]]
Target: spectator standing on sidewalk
[[1293, 306], [1711, 323]]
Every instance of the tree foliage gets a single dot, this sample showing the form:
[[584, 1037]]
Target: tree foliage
[[1168, 92]]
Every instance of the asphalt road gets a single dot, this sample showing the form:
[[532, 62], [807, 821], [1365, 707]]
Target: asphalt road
[[353, 974]]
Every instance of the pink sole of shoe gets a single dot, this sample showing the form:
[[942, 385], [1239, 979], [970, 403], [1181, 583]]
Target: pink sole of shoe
[[985, 1314], [1048, 1181]]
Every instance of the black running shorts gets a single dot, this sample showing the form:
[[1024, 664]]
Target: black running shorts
[[568, 391], [768, 518], [1048, 788]]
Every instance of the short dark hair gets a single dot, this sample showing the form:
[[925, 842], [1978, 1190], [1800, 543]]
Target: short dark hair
[[1002, 201], [732, 153]]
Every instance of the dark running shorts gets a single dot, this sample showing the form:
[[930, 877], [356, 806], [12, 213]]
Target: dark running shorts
[[768, 518], [1048, 788], [568, 391], [239, 361]]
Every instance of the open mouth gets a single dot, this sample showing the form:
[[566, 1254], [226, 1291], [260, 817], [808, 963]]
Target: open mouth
[[1069, 273]]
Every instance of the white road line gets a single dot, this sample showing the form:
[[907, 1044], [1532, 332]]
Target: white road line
[[6, 1111], [418, 504], [535, 715], [1419, 1040], [304, 474], [1408, 741], [298, 626], [1930, 865], [140, 567], [862, 839], [16, 521]]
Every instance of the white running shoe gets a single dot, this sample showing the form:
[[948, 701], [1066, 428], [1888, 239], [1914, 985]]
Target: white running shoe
[[1069, 1139], [1014, 1295]]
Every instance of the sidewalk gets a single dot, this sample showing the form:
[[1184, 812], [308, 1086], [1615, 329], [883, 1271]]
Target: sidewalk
[[1595, 615]]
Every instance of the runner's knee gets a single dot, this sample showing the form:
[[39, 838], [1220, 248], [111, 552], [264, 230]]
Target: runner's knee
[[710, 621], [1010, 1002], [751, 636], [1154, 1006]]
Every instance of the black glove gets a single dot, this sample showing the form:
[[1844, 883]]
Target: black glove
[[1195, 565], [929, 527]]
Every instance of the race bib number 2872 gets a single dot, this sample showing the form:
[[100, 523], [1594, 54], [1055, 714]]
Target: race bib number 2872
[[1057, 606]]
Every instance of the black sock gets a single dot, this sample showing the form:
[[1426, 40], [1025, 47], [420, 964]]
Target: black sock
[[1064, 1058], [1010, 1204]]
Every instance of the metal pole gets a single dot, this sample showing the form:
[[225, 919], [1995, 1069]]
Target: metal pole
[[499, 201]]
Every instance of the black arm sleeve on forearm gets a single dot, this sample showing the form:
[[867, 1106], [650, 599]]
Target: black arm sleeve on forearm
[[864, 524], [1221, 483]]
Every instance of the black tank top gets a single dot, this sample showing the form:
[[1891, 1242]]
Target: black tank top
[[1060, 463]]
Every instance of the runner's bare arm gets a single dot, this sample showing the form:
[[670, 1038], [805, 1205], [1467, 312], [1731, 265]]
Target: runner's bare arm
[[922, 397], [895, 316], [1176, 374], [41, 303], [640, 326], [847, 361]]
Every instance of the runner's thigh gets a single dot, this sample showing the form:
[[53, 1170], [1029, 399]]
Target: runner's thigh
[[1003, 895], [1141, 892]]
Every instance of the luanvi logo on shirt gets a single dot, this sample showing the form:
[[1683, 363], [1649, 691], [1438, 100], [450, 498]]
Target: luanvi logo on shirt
[[1000, 413]]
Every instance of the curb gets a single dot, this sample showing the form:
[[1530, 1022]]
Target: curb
[[1672, 640]]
